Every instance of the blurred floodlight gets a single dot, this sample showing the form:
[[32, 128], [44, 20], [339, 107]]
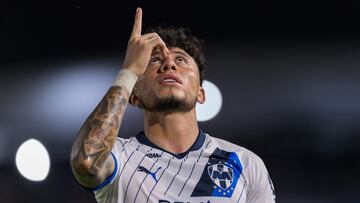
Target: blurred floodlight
[[32, 160], [213, 102]]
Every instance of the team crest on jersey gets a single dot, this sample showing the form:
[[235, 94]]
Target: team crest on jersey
[[221, 174]]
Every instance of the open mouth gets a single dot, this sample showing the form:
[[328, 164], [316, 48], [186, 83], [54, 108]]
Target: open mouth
[[170, 80]]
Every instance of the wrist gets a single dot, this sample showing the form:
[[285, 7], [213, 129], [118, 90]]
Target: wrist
[[138, 71], [126, 78]]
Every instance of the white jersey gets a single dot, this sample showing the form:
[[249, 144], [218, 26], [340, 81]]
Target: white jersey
[[211, 171]]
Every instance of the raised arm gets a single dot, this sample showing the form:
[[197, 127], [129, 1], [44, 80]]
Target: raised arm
[[90, 158]]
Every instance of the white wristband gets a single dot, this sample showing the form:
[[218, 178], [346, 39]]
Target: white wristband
[[126, 79]]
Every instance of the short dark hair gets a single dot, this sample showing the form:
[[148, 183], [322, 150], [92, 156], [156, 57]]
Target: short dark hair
[[183, 38]]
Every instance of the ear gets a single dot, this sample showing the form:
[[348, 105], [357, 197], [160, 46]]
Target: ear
[[134, 99], [201, 95]]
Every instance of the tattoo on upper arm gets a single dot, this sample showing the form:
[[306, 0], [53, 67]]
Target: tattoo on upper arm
[[98, 134]]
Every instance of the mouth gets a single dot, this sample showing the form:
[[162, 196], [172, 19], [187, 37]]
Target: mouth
[[170, 80]]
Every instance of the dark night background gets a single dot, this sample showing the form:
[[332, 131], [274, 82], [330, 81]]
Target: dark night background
[[289, 73]]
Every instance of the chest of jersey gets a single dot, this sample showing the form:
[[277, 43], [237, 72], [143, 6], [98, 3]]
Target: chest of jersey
[[207, 175]]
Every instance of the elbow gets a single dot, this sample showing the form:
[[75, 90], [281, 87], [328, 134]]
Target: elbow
[[85, 174], [82, 167]]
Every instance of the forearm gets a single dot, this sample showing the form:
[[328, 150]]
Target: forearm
[[97, 136], [90, 158]]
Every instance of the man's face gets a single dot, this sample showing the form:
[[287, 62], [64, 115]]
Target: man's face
[[170, 83]]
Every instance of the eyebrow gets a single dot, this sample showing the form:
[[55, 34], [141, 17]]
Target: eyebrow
[[182, 53], [157, 51], [175, 52]]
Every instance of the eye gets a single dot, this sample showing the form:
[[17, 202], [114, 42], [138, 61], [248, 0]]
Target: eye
[[155, 60], [180, 59]]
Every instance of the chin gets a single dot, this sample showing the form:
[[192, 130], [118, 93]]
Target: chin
[[170, 103], [171, 93]]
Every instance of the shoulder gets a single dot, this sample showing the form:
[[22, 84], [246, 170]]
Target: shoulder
[[246, 156], [260, 186], [231, 147], [123, 143]]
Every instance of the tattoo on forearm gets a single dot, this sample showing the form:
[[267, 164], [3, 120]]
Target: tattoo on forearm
[[98, 134]]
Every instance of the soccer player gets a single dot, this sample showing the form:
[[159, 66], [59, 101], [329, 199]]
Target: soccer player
[[172, 160]]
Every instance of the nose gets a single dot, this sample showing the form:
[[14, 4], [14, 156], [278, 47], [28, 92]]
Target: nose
[[168, 64]]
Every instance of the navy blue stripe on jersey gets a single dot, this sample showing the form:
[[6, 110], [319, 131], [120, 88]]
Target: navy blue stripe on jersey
[[152, 189], [122, 144], [192, 170], [220, 176], [132, 175], [106, 181], [109, 191], [129, 159], [126, 142], [137, 193], [175, 176], [141, 137], [243, 182], [242, 190]]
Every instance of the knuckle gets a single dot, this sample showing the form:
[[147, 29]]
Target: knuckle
[[142, 43], [162, 43], [133, 40], [137, 39], [137, 42], [157, 35]]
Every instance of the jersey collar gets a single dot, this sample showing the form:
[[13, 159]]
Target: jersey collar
[[197, 144]]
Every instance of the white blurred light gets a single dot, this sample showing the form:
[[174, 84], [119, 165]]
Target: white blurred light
[[32, 160], [213, 102], [73, 92], [67, 96]]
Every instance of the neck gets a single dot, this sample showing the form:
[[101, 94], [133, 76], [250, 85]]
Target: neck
[[174, 132]]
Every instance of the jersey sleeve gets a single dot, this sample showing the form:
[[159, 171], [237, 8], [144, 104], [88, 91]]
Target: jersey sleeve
[[102, 191], [261, 188], [114, 154]]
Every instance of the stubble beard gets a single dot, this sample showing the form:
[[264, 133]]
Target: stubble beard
[[169, 104]]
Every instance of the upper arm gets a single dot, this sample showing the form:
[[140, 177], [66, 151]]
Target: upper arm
[[261, 188]]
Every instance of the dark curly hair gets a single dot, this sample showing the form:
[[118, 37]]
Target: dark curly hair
[[182, 37]]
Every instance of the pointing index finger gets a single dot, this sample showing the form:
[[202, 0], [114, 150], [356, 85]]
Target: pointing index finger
[[137, 23]]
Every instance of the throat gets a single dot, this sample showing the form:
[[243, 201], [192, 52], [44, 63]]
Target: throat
[[173, 132], [177, 150]]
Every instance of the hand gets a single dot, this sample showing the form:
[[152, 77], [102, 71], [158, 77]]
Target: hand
[[140, 47]]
